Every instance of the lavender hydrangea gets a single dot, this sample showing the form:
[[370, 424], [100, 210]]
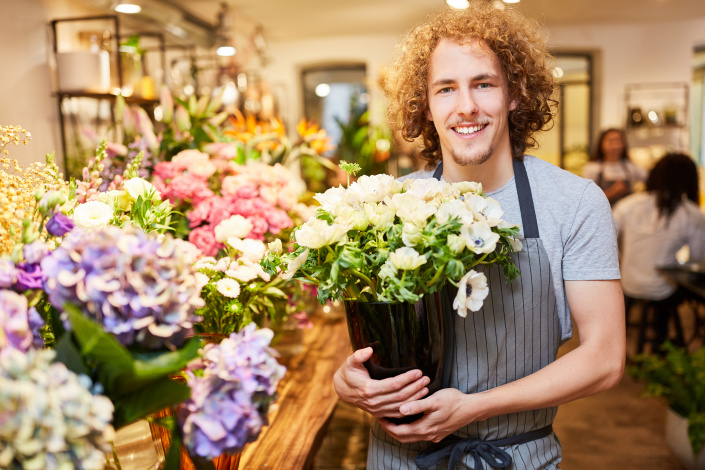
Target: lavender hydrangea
[[139, 288], [232, 387], [15, 330], [48, 416]]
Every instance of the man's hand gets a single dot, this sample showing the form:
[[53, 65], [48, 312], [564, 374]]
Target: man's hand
[[444, 413], [380, 398]]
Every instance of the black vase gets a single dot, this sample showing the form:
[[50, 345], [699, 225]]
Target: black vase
[[403, 336]]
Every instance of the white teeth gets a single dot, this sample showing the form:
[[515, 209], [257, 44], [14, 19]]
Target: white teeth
[[469, 130]]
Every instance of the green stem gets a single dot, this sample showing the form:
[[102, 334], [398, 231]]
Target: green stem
[[367, 280], [115, 456], [436, 276]]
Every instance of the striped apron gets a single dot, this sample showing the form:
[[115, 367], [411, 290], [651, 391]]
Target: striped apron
[[516, 333]]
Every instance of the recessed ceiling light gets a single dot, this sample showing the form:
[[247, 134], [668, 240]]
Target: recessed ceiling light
[[511, 1], [130, 8], [458, 4], [226, 51]]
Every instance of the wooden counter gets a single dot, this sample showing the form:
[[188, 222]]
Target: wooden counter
[[299, 418]]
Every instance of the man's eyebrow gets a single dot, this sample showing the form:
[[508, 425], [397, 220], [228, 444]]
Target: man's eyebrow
[[476, 78], [443, 81]]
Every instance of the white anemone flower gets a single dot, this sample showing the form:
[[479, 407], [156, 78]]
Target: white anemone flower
[[137, 187], [236, 226], [369, 189], [412, 210], [228, 287], [275, 247], [485, 209], [411, 235], [427, 188], [468, 187], [317, 233], [454, 209], [456, 243], [331, 198], [93, 214], [253, 250], [406, 258], [347, 215], [472, 291], [380, 216], [295, 264], [479, 237]]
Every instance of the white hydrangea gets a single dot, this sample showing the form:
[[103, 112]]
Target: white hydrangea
[[50, 419]]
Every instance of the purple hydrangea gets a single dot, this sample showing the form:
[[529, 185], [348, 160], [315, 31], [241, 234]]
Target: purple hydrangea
[[15, 330], [60, 224], [140, 289], [8, 273], [232, 387], [35, 251], [29, 276]]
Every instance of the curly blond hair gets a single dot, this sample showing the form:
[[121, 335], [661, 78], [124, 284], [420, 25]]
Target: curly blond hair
[[520, 47]]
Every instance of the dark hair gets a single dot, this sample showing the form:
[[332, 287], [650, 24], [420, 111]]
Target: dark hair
[[598, 155], [673, 177], [518, 43]]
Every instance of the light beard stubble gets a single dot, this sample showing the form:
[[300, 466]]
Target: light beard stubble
[[470, 160]]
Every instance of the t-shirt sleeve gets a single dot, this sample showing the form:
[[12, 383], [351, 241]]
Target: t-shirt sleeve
[[590, 250]]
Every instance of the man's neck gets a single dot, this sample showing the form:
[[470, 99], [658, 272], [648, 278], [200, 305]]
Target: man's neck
[[493, 174]]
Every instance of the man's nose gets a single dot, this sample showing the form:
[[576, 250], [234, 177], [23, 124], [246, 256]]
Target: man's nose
[[466, 103]]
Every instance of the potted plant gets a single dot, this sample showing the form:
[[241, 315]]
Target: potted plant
[[392, 252], [678, 378]]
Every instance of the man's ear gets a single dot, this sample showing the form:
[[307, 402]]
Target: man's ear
[[429, 116], [513, 104]]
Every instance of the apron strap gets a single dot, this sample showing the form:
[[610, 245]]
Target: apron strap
[[526, 200]]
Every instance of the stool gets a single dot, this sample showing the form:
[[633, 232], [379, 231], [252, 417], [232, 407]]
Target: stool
[[656, 315]]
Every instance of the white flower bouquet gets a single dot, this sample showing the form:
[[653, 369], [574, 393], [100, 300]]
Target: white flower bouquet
[[380, 240]]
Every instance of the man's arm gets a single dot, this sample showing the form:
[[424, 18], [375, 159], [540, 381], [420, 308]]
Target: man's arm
[[595, 365]]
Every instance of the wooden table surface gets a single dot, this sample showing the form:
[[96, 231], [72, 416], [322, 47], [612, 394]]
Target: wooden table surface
[[306, 401]]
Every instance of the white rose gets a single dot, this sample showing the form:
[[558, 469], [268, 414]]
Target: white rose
[[347, 215], [468, 187], [485, 209], [454, 209], [117, 199], [479, 237], [317, 233], [406, 258], [93, 214], [295, 264], [253, 250], [236, 226], [472, 291], [331, 198], [411, 235], [380, 216], [369, 189], [137, 187]]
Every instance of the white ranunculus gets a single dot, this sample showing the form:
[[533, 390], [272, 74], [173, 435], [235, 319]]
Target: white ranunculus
[[406, 258], [472, 291], [236, 226], [479, 237], [468, 187], [116, 199], [317, 233], [411, 235], [380, 216], [93, 214], [369, 189], [456, 243], [295, 264], [412, 210], [485, 209], [426, 189], [137, 187], [454, 209], [331, 198], [347, 215], [253, 250]]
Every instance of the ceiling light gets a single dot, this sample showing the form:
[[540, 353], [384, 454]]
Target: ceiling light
[[510, 1], [458, 4], [322, 90], [128, 6], [226, 51]]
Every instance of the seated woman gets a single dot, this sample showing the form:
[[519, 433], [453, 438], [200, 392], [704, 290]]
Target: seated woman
[[610, 167], [653, 226]]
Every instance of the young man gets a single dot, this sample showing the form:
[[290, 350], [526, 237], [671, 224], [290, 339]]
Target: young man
[[475, 85]]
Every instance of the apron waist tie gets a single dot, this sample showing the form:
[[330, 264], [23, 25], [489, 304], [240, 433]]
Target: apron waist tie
[[489, 451]]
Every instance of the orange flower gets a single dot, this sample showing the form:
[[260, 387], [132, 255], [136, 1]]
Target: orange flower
[[316, 139]]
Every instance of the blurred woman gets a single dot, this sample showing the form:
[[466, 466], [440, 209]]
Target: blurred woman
[[655, 224], [610, 167]]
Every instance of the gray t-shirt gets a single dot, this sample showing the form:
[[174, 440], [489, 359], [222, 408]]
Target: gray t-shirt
[[575, 225]]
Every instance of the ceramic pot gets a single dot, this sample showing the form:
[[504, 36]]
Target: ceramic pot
[[403, 336], [679, 444]]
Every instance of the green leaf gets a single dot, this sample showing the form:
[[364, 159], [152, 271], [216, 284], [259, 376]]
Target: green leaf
[[159, 394], [173, 457], [68, 355], [159, 364]]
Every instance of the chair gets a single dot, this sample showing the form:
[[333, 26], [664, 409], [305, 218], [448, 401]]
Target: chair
[[655, 317]]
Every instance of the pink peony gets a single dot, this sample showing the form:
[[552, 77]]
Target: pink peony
[[278, 219], [165, 170], [260, 226], [188, 188], [186, 159], [204, 239], [232, 183]]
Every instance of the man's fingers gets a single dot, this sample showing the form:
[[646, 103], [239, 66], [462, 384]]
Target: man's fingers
[[358, 357], [419, 406], [400, 382]]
